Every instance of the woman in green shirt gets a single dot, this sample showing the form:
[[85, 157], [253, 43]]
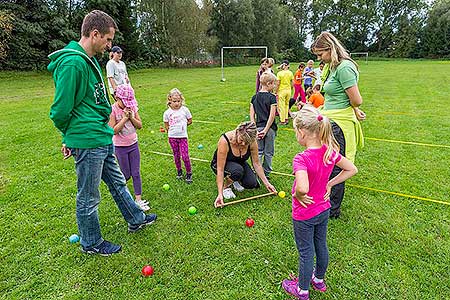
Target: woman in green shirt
[[342, 101]]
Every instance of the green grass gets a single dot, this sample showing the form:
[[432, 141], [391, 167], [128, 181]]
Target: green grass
[[383, 247]]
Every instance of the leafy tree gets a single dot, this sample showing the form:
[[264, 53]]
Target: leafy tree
[[232, 22], [436, 38], [6, 27]]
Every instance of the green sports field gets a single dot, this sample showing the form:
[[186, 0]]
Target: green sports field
[[391, 242]]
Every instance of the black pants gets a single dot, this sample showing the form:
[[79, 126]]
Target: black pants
[[337, 191], [239, 172], [291, 102]]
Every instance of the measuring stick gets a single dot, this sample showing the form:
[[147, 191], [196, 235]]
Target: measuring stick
[[249, 198]]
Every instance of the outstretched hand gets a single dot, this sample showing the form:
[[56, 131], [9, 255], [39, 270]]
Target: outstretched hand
[[219, 201], [271, 188]]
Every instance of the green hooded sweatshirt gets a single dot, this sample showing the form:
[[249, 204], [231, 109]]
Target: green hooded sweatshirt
[[80, 108]]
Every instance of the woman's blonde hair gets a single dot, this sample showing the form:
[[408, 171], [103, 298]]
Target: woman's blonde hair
[[173, 92], [326, 41], [247, 131], [310, 119]]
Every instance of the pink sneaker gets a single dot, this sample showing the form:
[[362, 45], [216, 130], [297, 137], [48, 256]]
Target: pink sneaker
[[318, 286], [291, 287]]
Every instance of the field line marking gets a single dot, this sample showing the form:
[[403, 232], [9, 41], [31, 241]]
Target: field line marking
[[408, 143], [349, 184], [395, 141], [367, 138]]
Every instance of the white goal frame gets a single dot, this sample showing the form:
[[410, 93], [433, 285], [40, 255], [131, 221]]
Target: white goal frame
[[366, 54], [237, 47]]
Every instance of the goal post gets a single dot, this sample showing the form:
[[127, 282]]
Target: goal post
[[365, 54], [237, 47]]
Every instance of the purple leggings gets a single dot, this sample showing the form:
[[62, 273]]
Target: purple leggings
[[129, 160], [180, 148]]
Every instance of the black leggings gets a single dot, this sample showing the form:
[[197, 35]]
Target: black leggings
[[337, 191], [239, 172]]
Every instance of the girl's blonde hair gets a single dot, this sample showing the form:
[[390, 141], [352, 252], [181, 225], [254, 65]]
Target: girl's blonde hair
[[326, 41], [310, 119], [247, 131], [173, 92]]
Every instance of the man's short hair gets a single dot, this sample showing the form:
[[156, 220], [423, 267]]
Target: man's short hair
[[99, 20], [266, 78]]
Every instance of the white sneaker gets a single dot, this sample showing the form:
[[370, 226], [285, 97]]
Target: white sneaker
[[228, 194], [238, 187], [143, 204]]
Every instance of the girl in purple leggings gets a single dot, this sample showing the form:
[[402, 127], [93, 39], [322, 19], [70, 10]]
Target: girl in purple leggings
[[124, 119], [176, 120]]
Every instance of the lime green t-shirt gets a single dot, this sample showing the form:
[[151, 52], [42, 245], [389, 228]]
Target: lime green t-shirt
[[285, 77], [343, 77]]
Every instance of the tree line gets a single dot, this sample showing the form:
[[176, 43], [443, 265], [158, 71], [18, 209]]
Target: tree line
[[153, 32]]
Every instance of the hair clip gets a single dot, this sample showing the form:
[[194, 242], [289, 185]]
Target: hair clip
[[319, 118]]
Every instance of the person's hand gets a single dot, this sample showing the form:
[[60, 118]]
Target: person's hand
[[131, 114], [261, 135], [360, 115], [271, 188], [66, 151], [219, 201], [326, 197], [304, 200], [126, 113]]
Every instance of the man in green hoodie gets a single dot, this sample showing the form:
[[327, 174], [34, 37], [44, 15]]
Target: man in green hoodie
[[80, 111]]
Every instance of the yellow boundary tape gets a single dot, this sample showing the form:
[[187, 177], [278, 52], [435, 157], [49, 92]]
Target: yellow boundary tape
[[395, 141], [349, 184], [367, 138]]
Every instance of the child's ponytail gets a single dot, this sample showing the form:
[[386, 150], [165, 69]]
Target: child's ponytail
[[309, 118], [326, 137]]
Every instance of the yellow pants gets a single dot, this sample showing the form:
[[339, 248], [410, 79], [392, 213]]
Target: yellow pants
[[283, 104]]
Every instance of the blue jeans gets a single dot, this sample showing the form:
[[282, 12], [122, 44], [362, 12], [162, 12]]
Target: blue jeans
[[311, 238], [93, 165], [266, 148]]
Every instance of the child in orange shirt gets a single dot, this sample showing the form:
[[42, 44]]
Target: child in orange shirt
[[298, 78], [315, 97]]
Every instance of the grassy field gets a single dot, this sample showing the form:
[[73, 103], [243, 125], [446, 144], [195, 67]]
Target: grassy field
[[384, 246]]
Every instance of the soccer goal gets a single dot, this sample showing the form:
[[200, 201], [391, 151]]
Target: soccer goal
[[237, 47], [360, 55]]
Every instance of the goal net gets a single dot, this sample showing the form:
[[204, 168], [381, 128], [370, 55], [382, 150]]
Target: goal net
[[360, 56], [241, 55]]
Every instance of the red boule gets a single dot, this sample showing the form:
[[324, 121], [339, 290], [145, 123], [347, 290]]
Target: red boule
[[249, 222], [147, 271]]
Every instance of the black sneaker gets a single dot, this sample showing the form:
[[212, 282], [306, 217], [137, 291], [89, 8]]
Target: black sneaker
[[180, 174], [188, 178], [149, 219], [104, 249]]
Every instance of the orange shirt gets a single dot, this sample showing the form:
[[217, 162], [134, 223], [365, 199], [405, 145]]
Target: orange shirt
[[316, 99], [298, 77]]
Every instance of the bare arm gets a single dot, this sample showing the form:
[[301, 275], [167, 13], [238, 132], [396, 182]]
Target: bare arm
[[273, 109], [354, 95], [166, 125], [189, 121], [348, 170], [277, 85], [355, 101], [117, 126], [252, 113], [302, 188], [136, 120], [113, 83], [222, 151]]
